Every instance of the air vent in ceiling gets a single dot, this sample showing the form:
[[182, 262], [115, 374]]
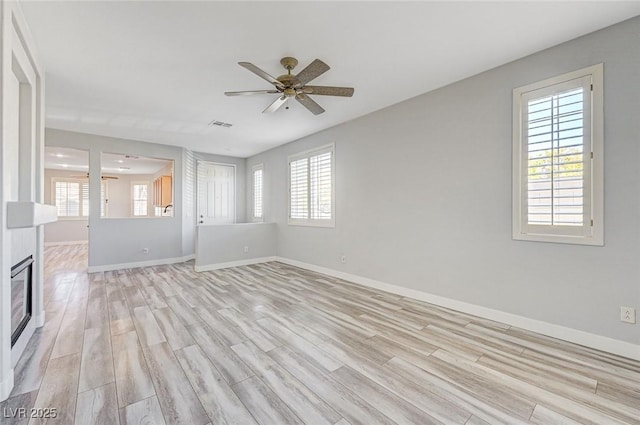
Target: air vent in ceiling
[[220, 124]]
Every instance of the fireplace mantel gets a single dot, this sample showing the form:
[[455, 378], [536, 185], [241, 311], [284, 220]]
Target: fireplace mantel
[[29, 214]]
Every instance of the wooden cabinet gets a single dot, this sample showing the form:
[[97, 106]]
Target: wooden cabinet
[[163, 191]]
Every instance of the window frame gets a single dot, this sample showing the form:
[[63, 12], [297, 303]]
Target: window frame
[[310, 221], [254, 169], [592, 230]]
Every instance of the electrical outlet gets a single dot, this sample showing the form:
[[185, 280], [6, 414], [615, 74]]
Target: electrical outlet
[[246, 249], [145, 250], [628, 314], [343, 258]]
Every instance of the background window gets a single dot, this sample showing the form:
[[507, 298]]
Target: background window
[[72, 197], [140, 199], [71, 200], [557, 159], [311, 187]]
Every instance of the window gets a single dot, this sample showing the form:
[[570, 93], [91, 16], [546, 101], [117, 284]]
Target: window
[[72, 197], [558, 159], [311, 188], [140, 194], [257, 192]]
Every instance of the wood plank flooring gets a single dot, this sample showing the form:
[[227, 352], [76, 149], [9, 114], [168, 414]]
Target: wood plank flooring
[[273, 344]]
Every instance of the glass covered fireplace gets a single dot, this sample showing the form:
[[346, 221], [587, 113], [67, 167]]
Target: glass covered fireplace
[[21, 288]]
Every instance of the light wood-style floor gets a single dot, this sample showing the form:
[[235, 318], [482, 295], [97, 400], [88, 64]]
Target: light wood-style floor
[[273, 344]]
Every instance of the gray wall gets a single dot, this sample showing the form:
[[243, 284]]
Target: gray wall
[[225, 243], [423, 196]]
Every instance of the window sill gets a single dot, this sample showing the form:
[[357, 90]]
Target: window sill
[[562, 239], [327, 223]]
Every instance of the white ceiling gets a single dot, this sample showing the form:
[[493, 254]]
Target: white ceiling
[[58, 158], [156, 71]]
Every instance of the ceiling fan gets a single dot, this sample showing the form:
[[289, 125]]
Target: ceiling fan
[[86, 176], [294, 85]]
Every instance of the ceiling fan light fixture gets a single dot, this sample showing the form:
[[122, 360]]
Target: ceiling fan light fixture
[[294, 85]]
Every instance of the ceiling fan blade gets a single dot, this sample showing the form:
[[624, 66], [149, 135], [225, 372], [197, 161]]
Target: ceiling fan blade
[[313, 70], [248, 92], [276, 104], [260, 73], [309, 103], [328, 91]]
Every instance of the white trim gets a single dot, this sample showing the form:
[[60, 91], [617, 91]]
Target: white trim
[[599, 342], [39, 319], [6, 386], [81, 242], [237, 263], [21, 344], [159, 262]]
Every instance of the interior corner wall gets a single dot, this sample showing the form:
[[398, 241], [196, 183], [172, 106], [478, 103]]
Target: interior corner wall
[[423, 196], [117, 241]]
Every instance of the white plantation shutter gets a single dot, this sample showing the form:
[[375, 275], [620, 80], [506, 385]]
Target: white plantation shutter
[[554, 145], [257, 192], [299, 187], [321, 186], [103, 200], [68, 195], [311, 191], [85, 199], [556, 126], [72, 197]]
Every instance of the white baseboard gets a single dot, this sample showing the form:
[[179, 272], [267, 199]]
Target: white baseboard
[[599, 342], [6, 385], [65, 243], [237, 263], [159, 262], [39, 319]]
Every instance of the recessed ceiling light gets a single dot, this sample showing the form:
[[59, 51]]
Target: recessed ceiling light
[[58, 155], [120, 161], [65, 165]]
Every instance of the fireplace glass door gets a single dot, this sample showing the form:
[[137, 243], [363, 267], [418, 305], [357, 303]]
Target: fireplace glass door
[[21, 275]]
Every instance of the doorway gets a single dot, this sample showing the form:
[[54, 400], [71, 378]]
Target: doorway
[[66, 185]]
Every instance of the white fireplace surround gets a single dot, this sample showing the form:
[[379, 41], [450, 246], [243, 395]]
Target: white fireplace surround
[[22, 190]]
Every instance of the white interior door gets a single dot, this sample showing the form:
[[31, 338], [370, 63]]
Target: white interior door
[[216, 193]]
